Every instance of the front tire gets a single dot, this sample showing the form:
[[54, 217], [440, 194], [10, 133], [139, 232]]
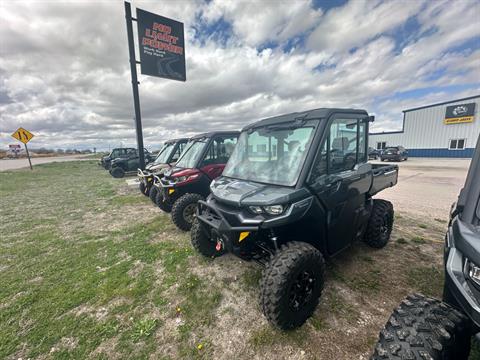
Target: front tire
[[202, 242], [291, 285], [117, 172], [152, 194], [380, 224], [424, 328], [161, 203], [143, 188], [184, 209]]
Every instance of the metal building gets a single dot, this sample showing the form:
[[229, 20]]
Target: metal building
[[448, 129]]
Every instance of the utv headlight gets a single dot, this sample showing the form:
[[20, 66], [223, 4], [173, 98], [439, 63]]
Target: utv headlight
[[472, 271], [180, 179], [256, 209], [273, 209]]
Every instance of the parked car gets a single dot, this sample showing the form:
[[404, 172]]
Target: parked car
[[189, 181], [166, 158], [373, 154], [296, 190], [106, 160], [426, 328], [128, 163], [394, 153]]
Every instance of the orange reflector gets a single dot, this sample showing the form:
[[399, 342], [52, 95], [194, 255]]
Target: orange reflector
[[243, 235], [171, 191]]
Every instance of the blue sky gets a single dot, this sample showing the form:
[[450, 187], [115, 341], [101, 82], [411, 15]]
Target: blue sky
[[245, 61]]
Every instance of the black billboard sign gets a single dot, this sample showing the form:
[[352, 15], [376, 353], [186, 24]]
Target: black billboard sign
[[457, 114], [162, 46]]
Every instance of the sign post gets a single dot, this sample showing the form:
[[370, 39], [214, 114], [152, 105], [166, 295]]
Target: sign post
[[136, 98], [24, 136], [162, 54]]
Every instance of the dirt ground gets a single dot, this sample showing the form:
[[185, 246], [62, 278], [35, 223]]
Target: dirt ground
[[91, 269]]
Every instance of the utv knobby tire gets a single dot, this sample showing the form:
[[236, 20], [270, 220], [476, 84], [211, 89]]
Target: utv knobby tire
[[143, 188], [161, 203], [202, 242], [278, 282], [380, 224], [152, 194], [117, 172], [180, 207], [424, 328]]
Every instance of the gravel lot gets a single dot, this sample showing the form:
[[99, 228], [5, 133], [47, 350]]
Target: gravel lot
[[427, 187]]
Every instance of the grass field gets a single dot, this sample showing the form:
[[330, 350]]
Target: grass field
[[90, 268]]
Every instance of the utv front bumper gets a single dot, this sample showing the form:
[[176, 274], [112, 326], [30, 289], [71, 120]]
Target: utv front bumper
[[460, 248]]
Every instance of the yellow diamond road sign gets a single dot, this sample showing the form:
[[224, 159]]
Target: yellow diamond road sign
[[23, 135]]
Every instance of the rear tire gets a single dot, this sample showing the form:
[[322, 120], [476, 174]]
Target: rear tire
[[161, 203], [291, 285], [424, 328], [117, 172], [184, 209], [202, 242], [380, 224]]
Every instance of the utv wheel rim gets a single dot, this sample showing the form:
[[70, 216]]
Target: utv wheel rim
[[301, 290], [189, 212]]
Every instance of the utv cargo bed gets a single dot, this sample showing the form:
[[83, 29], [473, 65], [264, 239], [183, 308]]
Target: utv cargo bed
[[384, 176]]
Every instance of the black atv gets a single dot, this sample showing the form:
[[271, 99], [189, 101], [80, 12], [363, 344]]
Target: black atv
[[166, 158], [202, 161], [128, 163], [426, 328], [297, 189]]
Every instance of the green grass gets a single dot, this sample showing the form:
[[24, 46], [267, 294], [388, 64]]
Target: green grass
[[419, 240], [66, 274]]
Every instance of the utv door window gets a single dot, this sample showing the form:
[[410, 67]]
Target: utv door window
[[219, 151], [342, 150]]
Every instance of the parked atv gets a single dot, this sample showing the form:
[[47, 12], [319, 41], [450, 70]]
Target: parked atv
[[296, 190], [128, 163], [114, 154], [166, 158], [426, 328], [189, 181]]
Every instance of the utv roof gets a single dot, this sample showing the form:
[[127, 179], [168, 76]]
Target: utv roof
[[316, 114], [214, 133], [172, 141]]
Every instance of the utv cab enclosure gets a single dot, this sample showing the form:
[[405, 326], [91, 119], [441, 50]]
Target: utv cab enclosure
[[297, 189], [114, 154], [166, 158], [203, 160]]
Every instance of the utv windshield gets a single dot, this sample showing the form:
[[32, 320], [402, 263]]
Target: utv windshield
[[164, 154], [191, 154], [272, 155]]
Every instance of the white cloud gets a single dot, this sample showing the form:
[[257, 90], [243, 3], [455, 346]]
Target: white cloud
[[64, 70]]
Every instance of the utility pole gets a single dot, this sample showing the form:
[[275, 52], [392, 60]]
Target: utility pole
[[136, 97]]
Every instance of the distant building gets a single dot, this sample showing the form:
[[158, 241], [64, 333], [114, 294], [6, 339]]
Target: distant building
[[448, 129]]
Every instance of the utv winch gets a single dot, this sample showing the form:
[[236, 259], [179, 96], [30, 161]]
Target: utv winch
[[202, 161], [296, 190]]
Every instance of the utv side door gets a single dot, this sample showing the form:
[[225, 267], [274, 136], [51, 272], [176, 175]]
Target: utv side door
[[340, 179], [217, 155]]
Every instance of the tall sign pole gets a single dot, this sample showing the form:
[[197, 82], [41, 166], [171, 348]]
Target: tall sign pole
[[24, 136], [136, 97]]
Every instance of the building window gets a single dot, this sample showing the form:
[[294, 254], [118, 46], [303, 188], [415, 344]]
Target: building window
[[381, 145], [457, 144]]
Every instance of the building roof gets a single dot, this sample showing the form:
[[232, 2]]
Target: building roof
[[442, 103]]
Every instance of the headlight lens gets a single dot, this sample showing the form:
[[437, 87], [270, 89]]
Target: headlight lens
[[473, 272], [256, 209], [180, 179], [273, 209]]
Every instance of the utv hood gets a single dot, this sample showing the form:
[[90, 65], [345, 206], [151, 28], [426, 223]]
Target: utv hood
[[156, 168], [242, 192]]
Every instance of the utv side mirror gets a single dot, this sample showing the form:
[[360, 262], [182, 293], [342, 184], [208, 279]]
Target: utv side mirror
[[371, 118]]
